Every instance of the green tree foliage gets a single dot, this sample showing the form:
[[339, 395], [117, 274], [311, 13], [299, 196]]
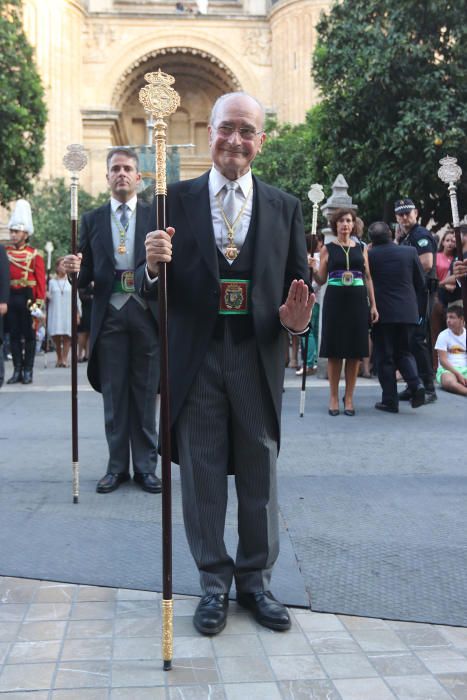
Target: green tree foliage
[[290, 160], [22, 109], [50, 206], [392, 74]]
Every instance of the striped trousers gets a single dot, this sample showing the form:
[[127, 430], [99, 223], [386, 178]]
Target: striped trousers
[[228, 418]]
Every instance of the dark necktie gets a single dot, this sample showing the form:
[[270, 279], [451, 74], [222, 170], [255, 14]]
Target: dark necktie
[[124, 220]]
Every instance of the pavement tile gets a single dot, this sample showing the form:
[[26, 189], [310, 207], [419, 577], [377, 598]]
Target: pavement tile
[[457, 636], [87, 649], [378, 640], [297, 667], [82, 694], [416, 688], [28, 652], [4, 649], [455, 683], [83, 629], [18, 591], [241, 623], [338, 642], [364, 689], [362, 623], [285, 643], [421, 638], [55, 593], [197, 692], [318, 622], [443, 660], [48, 611], [137, 694], [137, 672], [140, 627], [137, 648], [183, 626], [237, 645], [8, 631], [201, 671], [308, 690], [94, 594], [252, 691], [83, 674], [127, 594], [347, 666], [397, 664], [93, 611], [28, 695], [13, 612], [138, 608], [26, 677], [185, 607], [234, 669], [41, 631], [192, 647]]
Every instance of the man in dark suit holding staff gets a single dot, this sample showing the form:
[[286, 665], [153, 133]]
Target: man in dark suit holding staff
[[237, 255], [124, 358]]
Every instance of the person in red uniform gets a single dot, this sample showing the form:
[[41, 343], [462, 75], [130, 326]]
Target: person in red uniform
[[27, 287]]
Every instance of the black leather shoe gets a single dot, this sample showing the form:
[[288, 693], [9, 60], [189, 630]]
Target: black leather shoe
[[16, 377], [430, 396], [27, 376], [333, 411], [211, 614], [386, 407], [266, 609], [418, 397], [148, 482], [405, 395], [111, 482]]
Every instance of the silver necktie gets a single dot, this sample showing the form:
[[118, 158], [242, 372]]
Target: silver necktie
[[230, 203], [124, 220]]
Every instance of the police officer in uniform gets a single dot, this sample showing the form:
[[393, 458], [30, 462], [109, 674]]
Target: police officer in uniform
[[417, 236], [27, 287]]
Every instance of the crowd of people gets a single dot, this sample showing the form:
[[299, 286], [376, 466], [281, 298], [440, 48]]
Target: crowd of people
[[238, 284]]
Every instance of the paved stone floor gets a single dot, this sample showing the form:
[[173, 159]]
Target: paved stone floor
[[69, 642]]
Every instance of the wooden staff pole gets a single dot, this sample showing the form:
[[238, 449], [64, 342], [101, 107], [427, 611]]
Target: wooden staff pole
[[160, 100], [450, 173], [74, 161], [315, 195]]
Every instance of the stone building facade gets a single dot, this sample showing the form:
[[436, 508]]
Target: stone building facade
[[93, 54]]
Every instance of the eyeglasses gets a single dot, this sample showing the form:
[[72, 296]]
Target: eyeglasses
[[247, 133]]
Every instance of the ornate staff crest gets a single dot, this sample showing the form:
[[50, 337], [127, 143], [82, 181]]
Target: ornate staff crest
[[158, 98], [75, 159], [449, 170]]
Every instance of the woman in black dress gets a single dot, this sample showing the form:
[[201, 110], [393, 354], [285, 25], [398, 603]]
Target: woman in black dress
[[348, 303]]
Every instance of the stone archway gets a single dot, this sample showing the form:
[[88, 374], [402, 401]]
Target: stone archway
[[200, 79]]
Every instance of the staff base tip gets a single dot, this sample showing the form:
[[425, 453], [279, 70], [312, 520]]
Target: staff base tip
[[167, 664], [75, 499]]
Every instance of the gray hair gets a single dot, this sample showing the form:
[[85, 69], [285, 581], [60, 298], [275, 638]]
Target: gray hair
[[220, 101]]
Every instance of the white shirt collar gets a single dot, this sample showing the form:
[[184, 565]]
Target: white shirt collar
[[131, 204], [217, 181]]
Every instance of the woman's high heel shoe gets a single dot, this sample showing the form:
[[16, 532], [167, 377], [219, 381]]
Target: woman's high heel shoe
[[333, 411], [348, 411]]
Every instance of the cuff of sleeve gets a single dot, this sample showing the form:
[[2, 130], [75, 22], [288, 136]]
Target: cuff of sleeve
[[304, 332], [150, 281]]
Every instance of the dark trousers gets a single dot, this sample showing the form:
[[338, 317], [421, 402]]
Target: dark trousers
[[20, 325], [129, 372], [392, 343], [421, 349]]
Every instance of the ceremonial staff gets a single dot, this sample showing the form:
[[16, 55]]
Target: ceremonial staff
[[49, 249], [74, 161], [315, 195], [450, 173], [160, 100]]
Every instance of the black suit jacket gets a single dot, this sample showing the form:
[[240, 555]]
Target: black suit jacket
[[4, 283], [399, 283], [193, 282], [98, 265]]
